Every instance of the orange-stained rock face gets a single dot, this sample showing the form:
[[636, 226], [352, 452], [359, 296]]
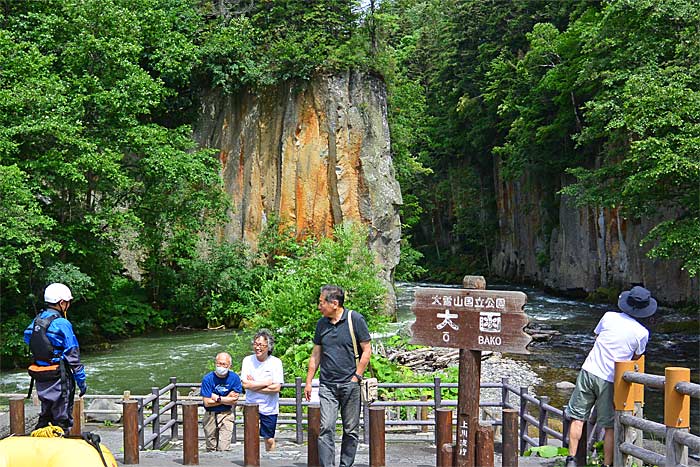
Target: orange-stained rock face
[[314, 154]]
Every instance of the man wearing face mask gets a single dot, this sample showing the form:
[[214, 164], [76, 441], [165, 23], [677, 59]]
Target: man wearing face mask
[[57, 367], [220, 391]]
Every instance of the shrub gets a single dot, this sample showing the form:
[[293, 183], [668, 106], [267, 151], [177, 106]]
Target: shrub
[[286, 301]]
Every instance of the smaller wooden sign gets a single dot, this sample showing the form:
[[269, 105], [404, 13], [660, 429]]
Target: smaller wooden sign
[[470, 319]]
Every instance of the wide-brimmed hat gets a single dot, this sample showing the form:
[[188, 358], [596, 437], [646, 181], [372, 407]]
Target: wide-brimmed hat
[[637, 302]]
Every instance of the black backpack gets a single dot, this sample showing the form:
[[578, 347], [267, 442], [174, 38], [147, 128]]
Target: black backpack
[[40, 345]]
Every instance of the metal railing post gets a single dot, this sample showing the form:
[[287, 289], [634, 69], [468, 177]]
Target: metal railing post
[[566, 424], [437, 401], [523, 422], [141, 426], [543, 420], [173, 409], [155, 413], [298, 393], [365, 422], [505, 394], [423, 414]]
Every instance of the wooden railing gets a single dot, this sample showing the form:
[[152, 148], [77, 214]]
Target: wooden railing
[[630, 426], [533, 413]]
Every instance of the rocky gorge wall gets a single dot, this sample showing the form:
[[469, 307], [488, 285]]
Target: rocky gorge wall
[[314, 153], [578, 250]]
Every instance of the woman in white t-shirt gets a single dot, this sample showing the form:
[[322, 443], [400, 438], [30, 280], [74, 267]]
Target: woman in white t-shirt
[[262, 377]]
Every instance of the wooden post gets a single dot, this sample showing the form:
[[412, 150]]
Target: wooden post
[[510, 438], [638, 391], [251, 435], [483, 320], [484, 447], [17, 415], [447, 454], [377, 456], [424, 414], [623, 399], [313, 428], [443, 430], [468, 406], [130, 423], [676, 415], [468, 393], [190, 433], [78, 415]]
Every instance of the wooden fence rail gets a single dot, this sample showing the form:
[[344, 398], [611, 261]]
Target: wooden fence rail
[[159, 412], [630, 381]]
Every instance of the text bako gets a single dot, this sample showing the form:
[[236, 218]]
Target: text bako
[[490, 340]]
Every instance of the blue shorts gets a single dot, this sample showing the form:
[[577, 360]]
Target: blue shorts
[[268, 423]]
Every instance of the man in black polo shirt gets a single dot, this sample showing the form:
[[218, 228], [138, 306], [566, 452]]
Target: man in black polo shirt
[[340, 375]]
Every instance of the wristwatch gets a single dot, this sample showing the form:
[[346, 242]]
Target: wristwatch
[[359, 378], [219, 400]]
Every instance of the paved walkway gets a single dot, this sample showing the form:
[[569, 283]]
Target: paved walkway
[[401, 449]]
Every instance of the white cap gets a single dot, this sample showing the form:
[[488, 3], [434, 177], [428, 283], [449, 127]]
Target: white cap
[[56, 292]]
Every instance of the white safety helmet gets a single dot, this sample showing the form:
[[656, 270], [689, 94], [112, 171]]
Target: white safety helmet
[[56, 292]]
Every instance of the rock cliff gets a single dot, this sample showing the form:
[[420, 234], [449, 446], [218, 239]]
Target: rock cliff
[[547, 240], [313, 153]]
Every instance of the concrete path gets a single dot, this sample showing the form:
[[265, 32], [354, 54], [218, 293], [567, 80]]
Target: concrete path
[[401, 449]]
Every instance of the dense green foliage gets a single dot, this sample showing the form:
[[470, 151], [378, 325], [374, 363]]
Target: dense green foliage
[[286, 299], [88, 152], [102, 187], [606, 92]]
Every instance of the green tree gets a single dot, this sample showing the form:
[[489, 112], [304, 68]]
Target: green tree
[[91, 113], [644, 122], [23, 228]]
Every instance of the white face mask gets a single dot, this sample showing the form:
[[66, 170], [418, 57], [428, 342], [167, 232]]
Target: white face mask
[[221, 371]]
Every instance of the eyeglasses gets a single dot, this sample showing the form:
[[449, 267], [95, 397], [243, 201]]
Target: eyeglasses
[[258, 344]]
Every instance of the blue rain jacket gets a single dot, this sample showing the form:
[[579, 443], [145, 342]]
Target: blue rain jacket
[[61, 335]]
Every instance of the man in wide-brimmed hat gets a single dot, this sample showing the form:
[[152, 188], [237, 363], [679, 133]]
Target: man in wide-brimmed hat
[[619, 337]]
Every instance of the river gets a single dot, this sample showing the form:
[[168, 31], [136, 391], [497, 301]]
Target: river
[[139, 363]]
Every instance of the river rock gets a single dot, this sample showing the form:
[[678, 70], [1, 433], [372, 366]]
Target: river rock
[[104, 404], [565, 385]]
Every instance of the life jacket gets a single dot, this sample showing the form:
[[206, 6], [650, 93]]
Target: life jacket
[[42, 349], [40, 345]]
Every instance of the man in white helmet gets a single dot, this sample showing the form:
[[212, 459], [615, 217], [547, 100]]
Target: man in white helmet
[[57, 367]]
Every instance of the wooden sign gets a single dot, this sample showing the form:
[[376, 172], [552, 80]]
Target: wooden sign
[[470, 319]]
